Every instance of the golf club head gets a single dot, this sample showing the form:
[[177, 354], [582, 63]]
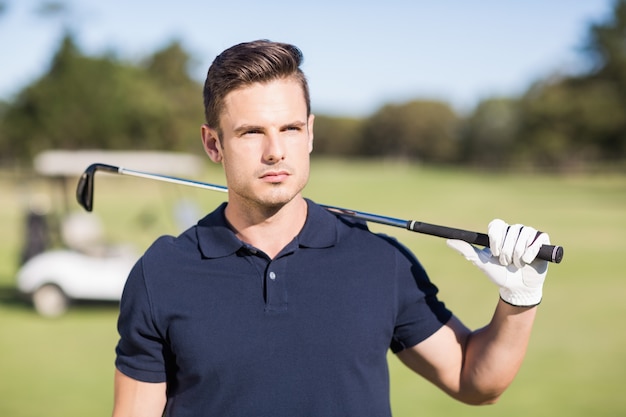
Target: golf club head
[[85, 186]]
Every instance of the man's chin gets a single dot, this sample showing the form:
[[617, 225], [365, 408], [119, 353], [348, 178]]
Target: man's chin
[[277, 200], [271, 197]]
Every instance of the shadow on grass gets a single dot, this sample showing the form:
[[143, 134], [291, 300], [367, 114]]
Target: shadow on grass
[[12, 299], [95, 305]]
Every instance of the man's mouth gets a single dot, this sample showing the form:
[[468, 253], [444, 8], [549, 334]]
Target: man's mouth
[[275, 176]]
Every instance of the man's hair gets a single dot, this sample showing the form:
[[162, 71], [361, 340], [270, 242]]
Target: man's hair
[[241, 65]]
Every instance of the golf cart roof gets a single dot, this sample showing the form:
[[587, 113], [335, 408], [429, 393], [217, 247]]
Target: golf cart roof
[[61, 163]]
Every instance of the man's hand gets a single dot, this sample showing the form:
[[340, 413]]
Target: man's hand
[[510, 261]]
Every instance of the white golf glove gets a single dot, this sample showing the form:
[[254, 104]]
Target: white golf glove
[[510, 261]]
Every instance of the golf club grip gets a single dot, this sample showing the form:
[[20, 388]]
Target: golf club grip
[[548, 253]]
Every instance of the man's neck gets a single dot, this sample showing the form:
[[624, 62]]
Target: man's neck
[[267, 229]]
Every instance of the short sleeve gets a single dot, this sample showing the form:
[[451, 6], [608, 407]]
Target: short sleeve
[[420, 313], [140, 350]]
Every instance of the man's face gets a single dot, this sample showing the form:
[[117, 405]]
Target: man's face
[[265, 144]]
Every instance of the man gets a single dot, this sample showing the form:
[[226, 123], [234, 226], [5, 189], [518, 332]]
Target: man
[[272, 306]]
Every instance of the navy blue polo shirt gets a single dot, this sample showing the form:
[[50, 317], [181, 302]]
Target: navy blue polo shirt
[[235, 333]]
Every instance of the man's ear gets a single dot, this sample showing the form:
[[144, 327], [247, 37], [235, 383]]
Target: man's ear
[[211, 143]]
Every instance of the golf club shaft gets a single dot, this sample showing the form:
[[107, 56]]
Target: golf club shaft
[[84, 194]]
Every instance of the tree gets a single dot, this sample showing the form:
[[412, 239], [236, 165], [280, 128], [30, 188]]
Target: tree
[[3, 8], [85, 102], [605, 47], [338, 136], [169, 68], [490, 133], [421, 130], [571, 122]]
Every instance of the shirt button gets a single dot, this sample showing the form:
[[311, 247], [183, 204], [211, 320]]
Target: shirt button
[[272, 275]]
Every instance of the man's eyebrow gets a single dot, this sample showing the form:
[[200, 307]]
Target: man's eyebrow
[[239, 130], [245, 128], [298, 123]]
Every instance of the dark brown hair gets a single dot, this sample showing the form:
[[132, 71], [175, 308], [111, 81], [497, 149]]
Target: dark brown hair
[[248, 63]]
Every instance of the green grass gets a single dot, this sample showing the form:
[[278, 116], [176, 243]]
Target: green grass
[[576, 361]]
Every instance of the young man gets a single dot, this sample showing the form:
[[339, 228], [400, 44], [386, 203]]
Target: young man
[[272, 306]]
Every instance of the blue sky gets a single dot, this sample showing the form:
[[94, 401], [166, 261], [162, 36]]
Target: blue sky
[[358, 55]]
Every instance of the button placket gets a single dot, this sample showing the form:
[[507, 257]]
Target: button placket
[[275, 286]]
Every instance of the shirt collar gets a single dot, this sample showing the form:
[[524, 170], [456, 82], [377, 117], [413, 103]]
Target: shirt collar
[[216, 239]]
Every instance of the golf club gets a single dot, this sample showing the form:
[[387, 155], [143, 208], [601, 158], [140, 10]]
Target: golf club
[[85, 191]]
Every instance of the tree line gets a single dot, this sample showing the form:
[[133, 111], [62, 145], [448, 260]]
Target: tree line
[[561, 123]]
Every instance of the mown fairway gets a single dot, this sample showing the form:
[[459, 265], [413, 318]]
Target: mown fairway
[[577, 357]]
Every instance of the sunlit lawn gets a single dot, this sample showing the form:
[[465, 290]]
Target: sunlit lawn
[[577, 358]]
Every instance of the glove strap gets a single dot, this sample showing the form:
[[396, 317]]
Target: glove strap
[[521, 306]]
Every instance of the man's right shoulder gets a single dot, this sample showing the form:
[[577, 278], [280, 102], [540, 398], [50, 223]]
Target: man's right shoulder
[[168, 246]]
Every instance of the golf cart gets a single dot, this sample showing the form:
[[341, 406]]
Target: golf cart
[[64, 256]]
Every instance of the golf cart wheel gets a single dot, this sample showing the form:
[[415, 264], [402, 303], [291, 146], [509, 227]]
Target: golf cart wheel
[[50, 301]]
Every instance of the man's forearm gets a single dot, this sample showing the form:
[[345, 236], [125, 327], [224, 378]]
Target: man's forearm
[[495, 353]]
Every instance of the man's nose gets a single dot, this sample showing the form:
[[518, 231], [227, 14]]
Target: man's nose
[[274, 148]]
